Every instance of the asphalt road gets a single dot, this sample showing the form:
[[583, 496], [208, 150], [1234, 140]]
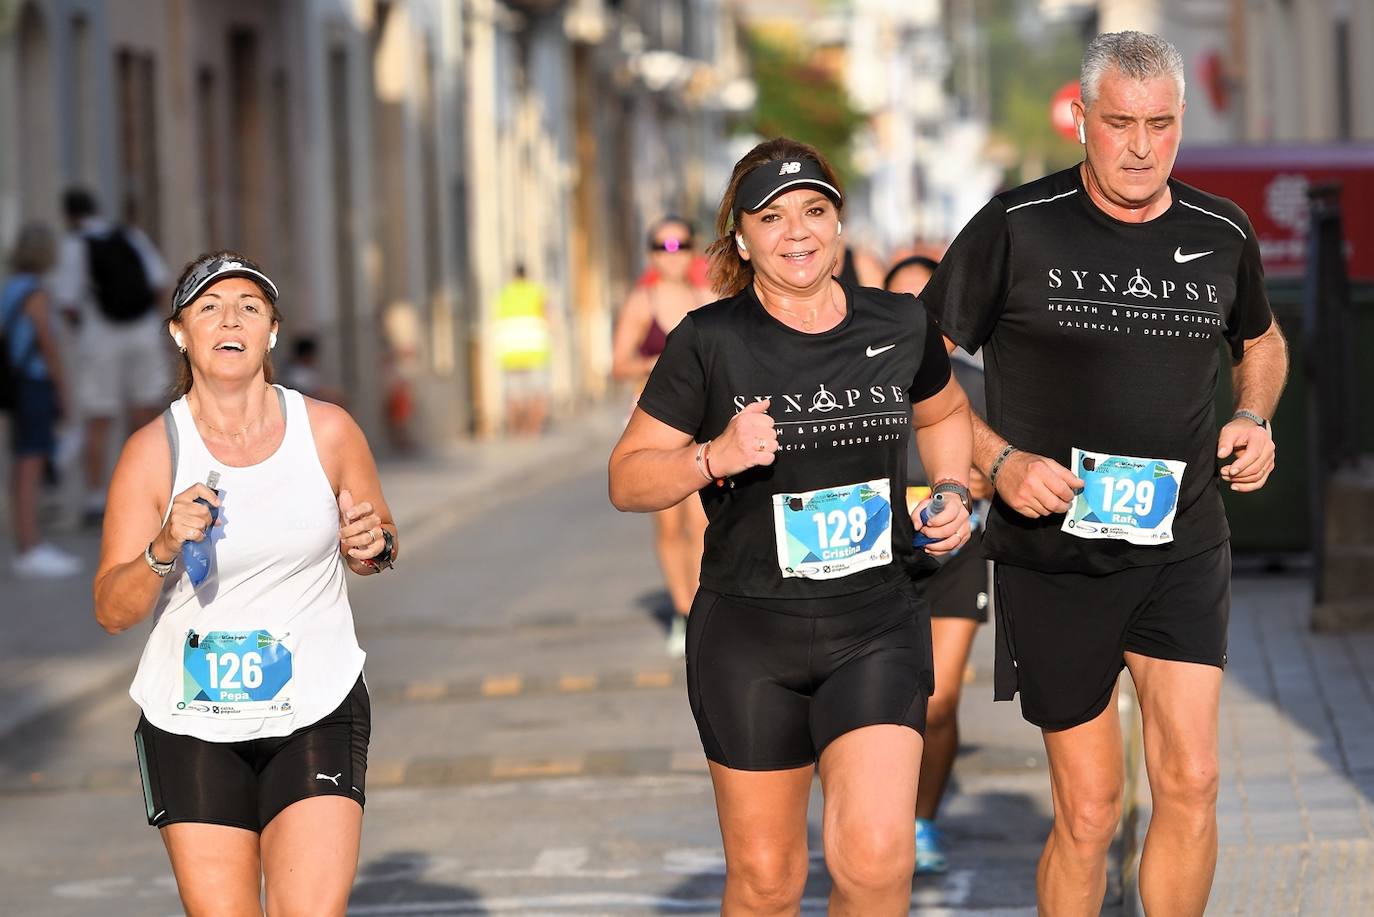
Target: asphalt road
[[532, 752]]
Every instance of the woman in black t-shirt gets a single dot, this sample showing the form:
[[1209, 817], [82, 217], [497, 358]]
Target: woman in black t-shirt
[[788, 405]]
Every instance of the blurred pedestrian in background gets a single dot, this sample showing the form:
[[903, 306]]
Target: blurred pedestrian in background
[[108, 281], [808, 647], [858, 268], [252, 744], [651, 311], [1102, 296], [524, 345], [39, 396], [302, 372], [958, 596]]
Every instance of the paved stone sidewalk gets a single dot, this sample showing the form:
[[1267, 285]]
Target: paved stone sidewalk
[[1296, 803]]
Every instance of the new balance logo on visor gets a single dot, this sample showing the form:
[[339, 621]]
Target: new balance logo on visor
[[790, 168]]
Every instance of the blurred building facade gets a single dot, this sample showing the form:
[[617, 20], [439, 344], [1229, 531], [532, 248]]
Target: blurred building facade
[[921, 154], [924, 150], [389, 160], [1265, 71]]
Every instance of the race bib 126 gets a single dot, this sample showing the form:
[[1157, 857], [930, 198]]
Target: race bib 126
[[230, 674], [1126, 498], [835, 531]]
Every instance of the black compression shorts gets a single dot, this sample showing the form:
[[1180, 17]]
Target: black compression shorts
[[1061, 637], [246, 784], [771, 684]]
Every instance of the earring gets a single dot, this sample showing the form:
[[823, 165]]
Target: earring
[[181, 341], [739, 240], [1082, 135], [272, 340]]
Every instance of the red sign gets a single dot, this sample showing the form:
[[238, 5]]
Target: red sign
[[1061, 111], [1270, 184]]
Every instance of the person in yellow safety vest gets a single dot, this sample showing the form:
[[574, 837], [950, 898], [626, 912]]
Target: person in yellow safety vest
[[524, 348]]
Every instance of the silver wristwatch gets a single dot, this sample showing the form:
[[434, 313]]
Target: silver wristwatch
[[157, 566]]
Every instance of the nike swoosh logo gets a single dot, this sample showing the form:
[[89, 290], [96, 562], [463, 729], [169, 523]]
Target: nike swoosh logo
[[1184, 259], [874, 351]]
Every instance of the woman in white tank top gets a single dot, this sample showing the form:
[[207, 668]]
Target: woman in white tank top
[[255, 719]]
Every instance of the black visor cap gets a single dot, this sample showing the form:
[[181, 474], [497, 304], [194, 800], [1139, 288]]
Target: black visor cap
[[765, 182], [213, 270]]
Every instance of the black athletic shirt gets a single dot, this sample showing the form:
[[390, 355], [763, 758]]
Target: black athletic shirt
[[1103, 335], [841, 400]]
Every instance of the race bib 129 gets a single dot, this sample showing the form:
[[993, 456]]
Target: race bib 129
[[230, 674], [1126, 498], [834, 531]]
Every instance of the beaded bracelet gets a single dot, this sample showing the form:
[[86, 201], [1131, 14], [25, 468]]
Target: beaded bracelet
[[997, 465], [706, 457], [701, 465]]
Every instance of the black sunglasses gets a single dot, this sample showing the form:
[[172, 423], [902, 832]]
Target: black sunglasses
[[671, 245]]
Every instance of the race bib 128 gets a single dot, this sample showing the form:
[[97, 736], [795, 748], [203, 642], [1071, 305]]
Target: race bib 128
[[834, 531]]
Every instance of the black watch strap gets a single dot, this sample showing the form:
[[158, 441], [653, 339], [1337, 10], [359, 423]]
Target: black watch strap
[[383, 559], [959, 490]]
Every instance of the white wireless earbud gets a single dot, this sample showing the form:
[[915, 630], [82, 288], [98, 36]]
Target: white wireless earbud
[[272, 340], [839, 227], [1082, 135], [181, 341], [739, 240]]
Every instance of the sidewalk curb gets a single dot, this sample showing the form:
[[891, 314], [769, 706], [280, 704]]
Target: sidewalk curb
[[504, 463], [553, 453], [64, 692]]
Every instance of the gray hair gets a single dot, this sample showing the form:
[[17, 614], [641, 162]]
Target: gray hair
[[1138, 55]]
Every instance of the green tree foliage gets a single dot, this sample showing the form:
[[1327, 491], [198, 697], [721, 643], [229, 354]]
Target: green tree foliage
[[801, 100], [1028, 59]]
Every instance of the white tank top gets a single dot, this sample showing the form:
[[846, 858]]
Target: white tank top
[[266, 645]]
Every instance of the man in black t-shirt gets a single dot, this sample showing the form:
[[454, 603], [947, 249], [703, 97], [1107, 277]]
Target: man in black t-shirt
[[1100, 297]]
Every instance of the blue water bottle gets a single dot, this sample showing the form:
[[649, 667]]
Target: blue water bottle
[[935, 507], [196, 554]]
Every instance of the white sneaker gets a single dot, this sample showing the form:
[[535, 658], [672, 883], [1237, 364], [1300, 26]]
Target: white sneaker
[[45, 560], [677, 637]]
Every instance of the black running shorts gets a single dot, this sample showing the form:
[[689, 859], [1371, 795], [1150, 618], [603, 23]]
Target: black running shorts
[[245, 784], [773, 683], [1061, 636], [959, 589]]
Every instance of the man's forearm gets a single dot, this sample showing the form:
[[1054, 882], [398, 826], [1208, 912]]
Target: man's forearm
[[1259, 377], [987, 444]]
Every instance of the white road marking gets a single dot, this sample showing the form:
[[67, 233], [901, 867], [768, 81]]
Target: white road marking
[[405, 869], [94, 889], [630, 902], [954, 889], [695, 861], [557, 863]]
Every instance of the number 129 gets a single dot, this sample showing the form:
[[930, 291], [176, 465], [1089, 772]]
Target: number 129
[[1126, 495]]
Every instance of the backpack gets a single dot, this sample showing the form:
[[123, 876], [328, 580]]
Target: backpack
[[117, 274], [9, 369]]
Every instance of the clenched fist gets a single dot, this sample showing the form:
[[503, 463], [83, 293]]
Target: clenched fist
[[1036, 486], [749, 439]]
